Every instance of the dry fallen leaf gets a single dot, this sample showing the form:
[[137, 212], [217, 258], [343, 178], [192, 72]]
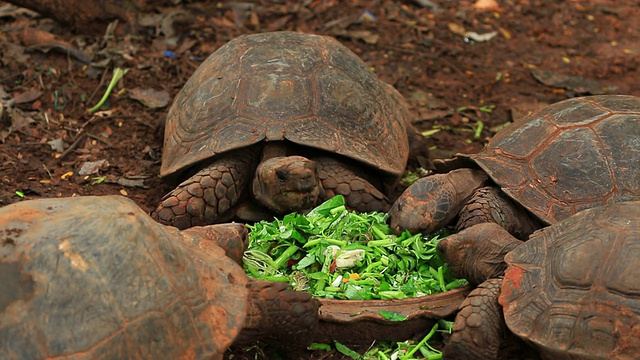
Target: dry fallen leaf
[[35, 39], [480, 37], [151, 98], [132, 183], [364, 35], [457, 29], [505, 33], [93, 167], [486, 5], [577, 84], [27, 96], [17, 118]]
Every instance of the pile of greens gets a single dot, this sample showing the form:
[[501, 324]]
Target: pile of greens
[[336, 253], [389, 350]]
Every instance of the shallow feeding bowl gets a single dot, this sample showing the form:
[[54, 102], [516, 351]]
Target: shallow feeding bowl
[[352, 321], [358, 322]]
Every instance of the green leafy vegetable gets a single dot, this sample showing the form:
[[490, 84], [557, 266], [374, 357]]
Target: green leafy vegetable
[[409, 177], [404, 350], [336, 253]]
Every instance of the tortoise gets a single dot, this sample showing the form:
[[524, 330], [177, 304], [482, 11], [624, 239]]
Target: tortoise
[[96, 277], [572, 155], [285, 120], [571, 291]]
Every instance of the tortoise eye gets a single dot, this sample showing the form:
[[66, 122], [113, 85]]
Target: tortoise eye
[[281, 175]]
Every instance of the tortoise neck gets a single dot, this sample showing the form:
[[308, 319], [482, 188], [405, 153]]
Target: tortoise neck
[[274, 149]]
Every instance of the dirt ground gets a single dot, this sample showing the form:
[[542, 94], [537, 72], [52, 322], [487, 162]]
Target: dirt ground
[[466, 70]]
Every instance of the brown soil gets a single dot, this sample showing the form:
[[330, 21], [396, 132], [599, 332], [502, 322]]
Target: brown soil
[[543, 51]]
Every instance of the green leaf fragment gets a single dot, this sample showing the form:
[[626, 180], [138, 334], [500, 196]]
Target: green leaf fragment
[[326, 207], [118, 73], [319, 346], [433, 131], [447, 326], [392, 315], [422, 342], [344, 350], [98, 180], [285, 256], [478, 131]]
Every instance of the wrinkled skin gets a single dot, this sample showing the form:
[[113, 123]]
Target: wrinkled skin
[[287, 184], [477, 253], [432, 202]]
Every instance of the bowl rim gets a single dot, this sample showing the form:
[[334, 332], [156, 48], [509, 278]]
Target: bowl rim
[[430, 306]]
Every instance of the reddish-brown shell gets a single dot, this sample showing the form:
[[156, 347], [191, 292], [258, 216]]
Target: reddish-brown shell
[[308, 89], [573, 290], [97, 278], [572, 155]]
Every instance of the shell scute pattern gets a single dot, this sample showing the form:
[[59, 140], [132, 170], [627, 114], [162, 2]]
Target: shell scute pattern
[[571, 155], [310, 90]]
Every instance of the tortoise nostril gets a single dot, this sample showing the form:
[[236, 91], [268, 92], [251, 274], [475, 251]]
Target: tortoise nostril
[[281, 175], [307, 183]]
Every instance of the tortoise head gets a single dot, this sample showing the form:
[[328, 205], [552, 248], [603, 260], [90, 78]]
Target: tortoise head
[[286, 184], [477, 253], [432, 202]]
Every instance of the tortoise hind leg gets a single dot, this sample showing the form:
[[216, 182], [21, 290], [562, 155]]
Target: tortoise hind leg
[[359, 193], [479, 330], [208, 195], [233, 238]]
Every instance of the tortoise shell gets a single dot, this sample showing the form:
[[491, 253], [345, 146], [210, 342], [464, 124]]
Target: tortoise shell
[[573, 289], [60, 260], [308, 89], [572, 155]]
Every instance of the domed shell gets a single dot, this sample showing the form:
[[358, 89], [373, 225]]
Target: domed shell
[[570, 156], [573, 289], [308, 89], [97, 278]]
